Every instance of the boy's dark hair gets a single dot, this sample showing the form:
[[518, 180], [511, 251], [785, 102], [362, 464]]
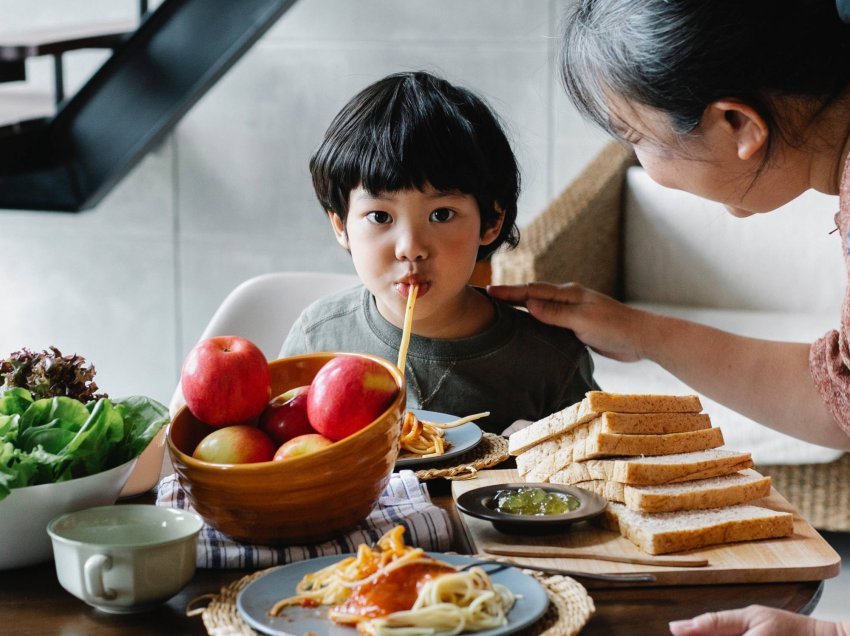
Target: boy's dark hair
[[411, 129], [679, 56]]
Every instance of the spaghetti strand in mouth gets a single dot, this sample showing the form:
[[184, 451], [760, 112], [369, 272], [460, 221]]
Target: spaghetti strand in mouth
[[424, 439], [408, 325]]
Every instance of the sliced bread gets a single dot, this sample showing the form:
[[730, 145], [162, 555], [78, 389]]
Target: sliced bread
[[592, 440], [594, 404], [715, 492], [663, 532], [656, 470], [601, 401], [599, 444], [654, 423], [550, 426]]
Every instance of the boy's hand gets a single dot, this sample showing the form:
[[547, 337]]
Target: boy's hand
[[513, 428], [603, 324]]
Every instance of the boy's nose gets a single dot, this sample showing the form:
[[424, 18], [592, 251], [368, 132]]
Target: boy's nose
[[410, 247]]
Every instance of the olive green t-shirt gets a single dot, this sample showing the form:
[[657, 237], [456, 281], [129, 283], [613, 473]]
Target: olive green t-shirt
[[518, 368]]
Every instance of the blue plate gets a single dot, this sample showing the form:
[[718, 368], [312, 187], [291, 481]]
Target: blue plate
[[258, 597], [461, 439]]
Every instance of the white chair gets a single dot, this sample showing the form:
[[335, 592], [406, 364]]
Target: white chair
[[263, 308]]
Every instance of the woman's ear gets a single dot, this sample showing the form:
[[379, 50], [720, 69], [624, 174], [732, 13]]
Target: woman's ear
[[338, 226], [747, 128], [491, 232]]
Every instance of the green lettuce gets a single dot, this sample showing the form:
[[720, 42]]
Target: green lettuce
[[60, 438]]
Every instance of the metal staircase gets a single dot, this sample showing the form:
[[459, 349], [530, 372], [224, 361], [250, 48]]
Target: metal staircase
[[70, 161]]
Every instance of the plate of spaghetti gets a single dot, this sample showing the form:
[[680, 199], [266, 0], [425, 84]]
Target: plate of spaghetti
[[428, 437], [390, 590]]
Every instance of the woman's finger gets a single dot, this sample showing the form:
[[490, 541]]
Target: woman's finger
[[514, 294], [553, 312]]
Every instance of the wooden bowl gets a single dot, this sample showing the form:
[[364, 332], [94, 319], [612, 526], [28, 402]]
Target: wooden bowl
[[305, 499]]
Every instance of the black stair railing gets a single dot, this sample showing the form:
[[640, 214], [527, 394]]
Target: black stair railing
[[69, 162]]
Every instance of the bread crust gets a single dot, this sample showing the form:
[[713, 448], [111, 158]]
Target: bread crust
[[662, 533], [715, 492], [656, 470], [594, 404]]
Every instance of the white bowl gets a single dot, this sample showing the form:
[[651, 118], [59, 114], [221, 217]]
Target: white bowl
[[27, 511], [148, 469]]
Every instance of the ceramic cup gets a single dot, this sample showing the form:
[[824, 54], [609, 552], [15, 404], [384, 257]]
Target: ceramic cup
[[125, 558]]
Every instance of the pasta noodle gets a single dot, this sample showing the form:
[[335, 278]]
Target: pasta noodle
[[400, 591], [426, 439], [332, 585], [421, 438], [418, 438], [408, 325], [450, 604]]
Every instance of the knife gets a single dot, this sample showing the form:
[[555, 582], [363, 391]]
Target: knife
[[564, 553], [576, 574]]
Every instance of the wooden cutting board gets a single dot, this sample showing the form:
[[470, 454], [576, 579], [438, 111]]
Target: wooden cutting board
[[804, 556]]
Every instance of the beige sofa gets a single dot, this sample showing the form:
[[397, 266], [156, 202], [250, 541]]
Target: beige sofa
[[778, 276]]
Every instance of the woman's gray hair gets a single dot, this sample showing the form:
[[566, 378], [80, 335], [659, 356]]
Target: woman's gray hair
[[679, 56]]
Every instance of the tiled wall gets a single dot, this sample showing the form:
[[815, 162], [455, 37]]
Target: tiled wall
[[131, 284]]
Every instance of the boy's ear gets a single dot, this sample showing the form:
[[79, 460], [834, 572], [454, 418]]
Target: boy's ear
[[338, 226], [491, 232], [747, 128]]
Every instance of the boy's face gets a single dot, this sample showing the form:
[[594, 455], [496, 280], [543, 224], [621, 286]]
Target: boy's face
[[425, 237]]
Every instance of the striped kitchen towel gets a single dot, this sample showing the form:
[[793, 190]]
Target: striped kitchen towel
[[405, 501]]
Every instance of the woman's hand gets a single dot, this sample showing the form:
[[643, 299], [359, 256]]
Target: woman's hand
[[603, 324], [756, 620]]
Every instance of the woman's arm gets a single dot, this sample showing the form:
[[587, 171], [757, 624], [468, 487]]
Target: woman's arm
[[767, 381]]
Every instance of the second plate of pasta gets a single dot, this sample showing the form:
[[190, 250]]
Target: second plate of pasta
[[458, 440]]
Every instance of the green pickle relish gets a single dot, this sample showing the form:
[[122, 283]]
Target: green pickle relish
[[533, 501]]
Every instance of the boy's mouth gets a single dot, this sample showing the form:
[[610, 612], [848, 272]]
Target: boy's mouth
[[403, 287]]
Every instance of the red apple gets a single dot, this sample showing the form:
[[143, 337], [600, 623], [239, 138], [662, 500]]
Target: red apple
[[240, 444], [226, 380], [302, 445], [348, 393], [285, 416]]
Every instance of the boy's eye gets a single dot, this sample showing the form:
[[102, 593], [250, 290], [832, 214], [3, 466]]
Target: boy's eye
[[379, 218], [442, 215]]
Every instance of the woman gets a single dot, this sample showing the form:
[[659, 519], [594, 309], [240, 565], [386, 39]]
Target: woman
[[748, 104]]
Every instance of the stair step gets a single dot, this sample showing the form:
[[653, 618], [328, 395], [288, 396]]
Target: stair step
[[20, 45], [20, 102]]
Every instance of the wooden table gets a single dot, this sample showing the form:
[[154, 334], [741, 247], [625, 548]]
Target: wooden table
[[33, 603]]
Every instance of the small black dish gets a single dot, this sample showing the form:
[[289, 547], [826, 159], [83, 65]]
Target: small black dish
[[480, 503]]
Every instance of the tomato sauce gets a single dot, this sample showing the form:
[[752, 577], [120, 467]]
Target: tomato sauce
[[394, 591]]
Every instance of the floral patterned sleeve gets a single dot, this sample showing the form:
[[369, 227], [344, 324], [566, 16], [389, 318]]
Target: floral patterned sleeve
[[829, 358]]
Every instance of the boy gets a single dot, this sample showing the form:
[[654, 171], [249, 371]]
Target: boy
[[419, 183]]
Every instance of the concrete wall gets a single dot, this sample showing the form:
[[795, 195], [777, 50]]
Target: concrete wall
[[131, 284]]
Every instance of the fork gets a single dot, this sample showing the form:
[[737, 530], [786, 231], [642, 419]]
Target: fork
[[612, 578]]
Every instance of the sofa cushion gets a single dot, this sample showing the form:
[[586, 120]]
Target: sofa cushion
[[739, 432], [683, 250]]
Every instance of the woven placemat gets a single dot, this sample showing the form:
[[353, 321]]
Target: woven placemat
[[570, 607], [819, 492], [491, 450]]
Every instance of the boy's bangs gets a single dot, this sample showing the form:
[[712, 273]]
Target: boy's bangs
[[416, 160]]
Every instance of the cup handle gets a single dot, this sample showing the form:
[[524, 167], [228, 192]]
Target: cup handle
[[93, 577]]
